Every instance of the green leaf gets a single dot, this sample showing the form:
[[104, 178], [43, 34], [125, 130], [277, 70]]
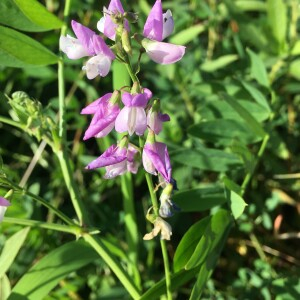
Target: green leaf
[[208, 266], [249, 119], [5, 288], [294, 69], [222, 131], [53, 267], [11, 249], [218, 109], [219, 63], [250, 5], [188, 243], [178, 279], [206, 159], [258, 69], [120, 75], [199, 199], [27, 15], [187, 35], [244, 152], [212, 235], [236, 202], [257, 95], [277, 19], [20, 51]]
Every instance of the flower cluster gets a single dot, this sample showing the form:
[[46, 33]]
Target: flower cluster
[[130, 111]]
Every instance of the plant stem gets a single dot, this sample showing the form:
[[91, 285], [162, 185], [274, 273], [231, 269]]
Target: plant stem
[[167, 268], [101, 249], [74, 229], [259, 156], [62, 152], [78, 205], [11, 122], [132, 235], [132, 75]]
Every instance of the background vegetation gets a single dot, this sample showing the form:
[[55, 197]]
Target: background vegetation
[[233, 136]]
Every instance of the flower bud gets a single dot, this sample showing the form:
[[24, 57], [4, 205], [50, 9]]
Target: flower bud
[[126, 42]]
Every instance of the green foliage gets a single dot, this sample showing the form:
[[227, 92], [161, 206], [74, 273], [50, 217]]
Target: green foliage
[[233, 142], [45, 275], [27, 15]]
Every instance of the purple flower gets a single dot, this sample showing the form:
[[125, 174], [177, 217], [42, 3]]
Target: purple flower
[[117, 160], [88, 44], [132, 117], [3, 206], [105, 113], [156, 159], [106, 25], [158, 26], [155, 120]]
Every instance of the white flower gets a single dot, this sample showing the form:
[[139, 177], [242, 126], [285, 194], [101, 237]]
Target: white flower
[[162, 227]]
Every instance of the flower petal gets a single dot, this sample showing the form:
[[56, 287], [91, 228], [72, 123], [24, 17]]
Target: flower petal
[[153, 28], [110, 157], [101, 48], [163, 53], [102, 123], [97, 65], [140, 121], [115, 170], [4, 202], [85, 36], [139, 100], [94, 106], [127, 99], [122, 120], [106, 24], [168, 25], [147, 163], [72, 47]]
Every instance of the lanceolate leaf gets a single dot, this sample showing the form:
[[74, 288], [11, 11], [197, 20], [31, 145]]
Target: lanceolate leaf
[[187, 35], [188, 243], [258, 70], [11, 249], [219, 63], [208, 266], [47, 272], [178, 279], [212, 235], [27, 15], [19, 50], [251, 122]]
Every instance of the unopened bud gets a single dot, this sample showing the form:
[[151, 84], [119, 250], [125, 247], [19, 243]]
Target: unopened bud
[[126, 42]]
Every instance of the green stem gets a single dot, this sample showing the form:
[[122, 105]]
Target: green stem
[[132, 75], [40, 200], [62, 152], [162, 242], [259, 156], [78, 205], [74, 229], [11, 122], [131, 228], [101, 249], [167, 268]]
